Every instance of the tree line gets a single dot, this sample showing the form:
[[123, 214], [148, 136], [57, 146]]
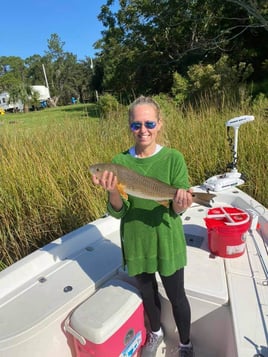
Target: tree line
[[183, 48], [66, 76]]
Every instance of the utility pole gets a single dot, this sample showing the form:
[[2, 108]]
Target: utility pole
[[45, 75], [92, 67]]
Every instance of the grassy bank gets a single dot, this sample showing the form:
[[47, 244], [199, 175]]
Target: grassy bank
[[46, 189]]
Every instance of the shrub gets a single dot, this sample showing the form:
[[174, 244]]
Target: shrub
[[221, 80], [107, 105], [179, 89]]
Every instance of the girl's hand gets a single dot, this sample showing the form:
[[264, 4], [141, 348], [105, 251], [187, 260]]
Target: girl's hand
[[182, 200], [108, 181]]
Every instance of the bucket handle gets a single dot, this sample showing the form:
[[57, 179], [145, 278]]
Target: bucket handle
[[68, 328], [229, 217]]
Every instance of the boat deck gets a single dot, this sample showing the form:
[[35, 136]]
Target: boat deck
[[228, 297]]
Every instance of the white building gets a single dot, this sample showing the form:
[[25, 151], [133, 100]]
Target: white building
[[42, 91], [10, 106], [7, 105]]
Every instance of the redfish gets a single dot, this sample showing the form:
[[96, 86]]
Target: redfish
[[132, 183]]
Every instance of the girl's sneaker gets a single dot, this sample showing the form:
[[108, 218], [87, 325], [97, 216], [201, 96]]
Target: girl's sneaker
[[186, 351], [152, 343]]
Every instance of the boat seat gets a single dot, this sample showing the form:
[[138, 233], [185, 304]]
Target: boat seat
[[59, 288]]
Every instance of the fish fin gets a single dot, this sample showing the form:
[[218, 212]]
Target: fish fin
[[164, 203], [121, 189]]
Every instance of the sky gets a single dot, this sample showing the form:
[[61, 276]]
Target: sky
[[27, 25]]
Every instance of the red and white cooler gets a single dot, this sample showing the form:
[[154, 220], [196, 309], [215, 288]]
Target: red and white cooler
[[110, 323]]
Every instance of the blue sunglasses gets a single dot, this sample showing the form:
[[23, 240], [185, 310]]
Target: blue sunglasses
[[135, 125]]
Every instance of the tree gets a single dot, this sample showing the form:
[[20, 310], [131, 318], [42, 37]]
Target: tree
[[145, 42], [87, 79], [65, 74], [34, 69], [257, 10], [12, 72], [14, 79]]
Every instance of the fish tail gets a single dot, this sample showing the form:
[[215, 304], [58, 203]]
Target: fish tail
[[202, 198]]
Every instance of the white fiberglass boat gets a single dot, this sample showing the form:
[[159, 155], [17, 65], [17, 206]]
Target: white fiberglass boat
[[73, 293]]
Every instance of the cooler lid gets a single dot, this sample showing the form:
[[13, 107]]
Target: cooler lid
[[100, 316]]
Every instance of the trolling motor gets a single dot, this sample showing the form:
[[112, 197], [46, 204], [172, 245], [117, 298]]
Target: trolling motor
[[233, 177]]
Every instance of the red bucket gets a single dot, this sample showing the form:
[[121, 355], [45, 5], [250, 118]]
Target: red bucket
[[226, 231]]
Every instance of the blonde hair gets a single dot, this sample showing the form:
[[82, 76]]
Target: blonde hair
[[141, 101]]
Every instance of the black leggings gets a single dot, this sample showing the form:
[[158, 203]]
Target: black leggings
[[174, 287]]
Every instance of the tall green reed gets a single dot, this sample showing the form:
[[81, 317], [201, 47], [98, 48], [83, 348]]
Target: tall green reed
[[46, 189]]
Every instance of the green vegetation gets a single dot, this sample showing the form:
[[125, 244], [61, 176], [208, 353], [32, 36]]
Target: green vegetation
[[148, 46], [204, 61], [46, 189], [145, 42]]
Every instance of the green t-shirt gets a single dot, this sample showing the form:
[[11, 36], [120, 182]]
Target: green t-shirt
[[152, 235]]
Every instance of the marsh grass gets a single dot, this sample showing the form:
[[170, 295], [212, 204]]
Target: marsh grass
[[46, 189]]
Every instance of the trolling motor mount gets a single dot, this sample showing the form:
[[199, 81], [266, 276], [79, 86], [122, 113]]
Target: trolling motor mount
[[233, 177]]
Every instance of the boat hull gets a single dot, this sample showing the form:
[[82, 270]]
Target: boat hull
[[228, 297]]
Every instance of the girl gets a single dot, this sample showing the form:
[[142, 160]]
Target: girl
[[152, 235]]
